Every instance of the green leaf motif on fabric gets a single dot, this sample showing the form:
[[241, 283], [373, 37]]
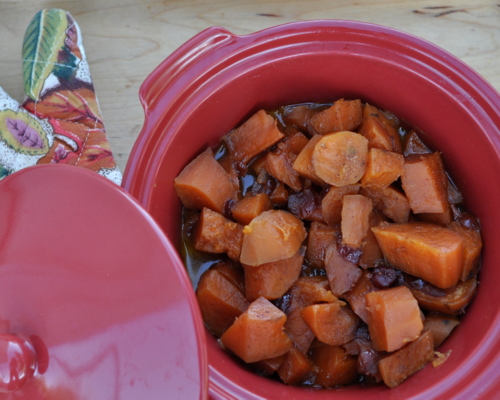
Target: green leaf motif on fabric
[[43, 40], [23, 133], [4, 172]]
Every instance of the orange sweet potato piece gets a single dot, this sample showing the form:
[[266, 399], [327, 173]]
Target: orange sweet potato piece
[[220, 300], [383, 167], [303, 162], [214, 233], [342, 274], [295, 368], [318, 239], [356, 296], [204, 183], [427, 251], [332, 323], [379, 130], [440, 326], [340, 158], [272, 236], [389, 201], [297, 329], [279, 195], [255, 135], [343, 115], [371, 253], [279, 165], [333, 366], [356, 211], [472, 248], [258, 334], [331, 205], [451, 301], [272, 280], [400, 365], [250, 207], [425, 183], [299, 116], [393, 318], [294, 143]]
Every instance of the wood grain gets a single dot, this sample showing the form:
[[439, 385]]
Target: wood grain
[[125, 39]]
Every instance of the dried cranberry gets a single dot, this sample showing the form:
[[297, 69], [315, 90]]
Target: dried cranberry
[[385, 277]]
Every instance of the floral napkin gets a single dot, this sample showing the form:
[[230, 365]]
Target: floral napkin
[[59, 120]]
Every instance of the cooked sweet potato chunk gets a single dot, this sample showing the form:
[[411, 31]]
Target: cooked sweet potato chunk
[[379, 130], [220, 300], [342, 274], [272, 236], [425, 183], [297, 329], [258, 334], [382, 168], [356, 296], [389, 201], [371, 253], [430, 252], [255, 135], [333, 366], [272, 280], [340, 158], [472, 248], [250, 207], [441, 326], [204, 183], [318, 239], [331, 205], [332, 323], [269, 366], [393, 318], [295, 368], [398, 366], [343, 115], [279, 164], [356, 211], [303, 163]]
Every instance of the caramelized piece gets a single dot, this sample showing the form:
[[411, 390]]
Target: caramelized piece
[[342, 274], [356, 210], [272, 280], [425, 183], [356, 296], [340, 158], [279, 164], [295, 368], [332, 323], [343, 115], [383, 167], [269, 366], [272, 236], [414, 145], [400, 365], [204, 183], [379, 130], [441, 326], [255, 135], [389, 201], [214, 233], [298, 116], [393, 318], [427, 251], [472, 249], [331, 205], [279, 195], [257, 334], [220, 298], [303, 163], [250, 207], [371, 253], [297, 329], [333, 366], [320, 236]]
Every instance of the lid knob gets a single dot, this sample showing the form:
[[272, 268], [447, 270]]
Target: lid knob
[[17, 362]]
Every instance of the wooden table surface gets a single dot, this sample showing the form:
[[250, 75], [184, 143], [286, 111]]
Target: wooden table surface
[[126, 39]]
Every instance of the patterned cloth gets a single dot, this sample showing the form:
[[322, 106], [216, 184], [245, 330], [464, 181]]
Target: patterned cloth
[[60, 120]]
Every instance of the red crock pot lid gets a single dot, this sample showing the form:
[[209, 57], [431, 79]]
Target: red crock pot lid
[[94, 302]]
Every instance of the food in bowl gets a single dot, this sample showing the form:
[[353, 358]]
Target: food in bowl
[[334, 246]]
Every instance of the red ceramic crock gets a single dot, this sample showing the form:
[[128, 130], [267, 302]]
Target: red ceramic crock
[[218, 79]]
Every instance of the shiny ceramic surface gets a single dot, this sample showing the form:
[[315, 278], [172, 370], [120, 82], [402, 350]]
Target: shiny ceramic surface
[[93, 302], [218, 79]]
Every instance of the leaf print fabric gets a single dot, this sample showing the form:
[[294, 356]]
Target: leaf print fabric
[[60, 120]]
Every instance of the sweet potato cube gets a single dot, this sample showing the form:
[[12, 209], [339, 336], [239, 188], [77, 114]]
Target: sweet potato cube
[[258, 334], [393, 318], [342, 274], [295, 368], [297, 329], [472, 248], [318, 239], [294, 143], [427, 251], [204, 183], [379, 130], [214, 233], [356, 211], [331, 205], [400, 365], [272, 236], [255, 135], [250, 207], [425, 183], [333, 366], [440, 326], [279, 195], [303, 162], [220, 300], [279, 165], [343, 115], [383, 167], [332, 323], [272, 280], [299, 116], [371, 253], [389, 201], [356, 296]]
